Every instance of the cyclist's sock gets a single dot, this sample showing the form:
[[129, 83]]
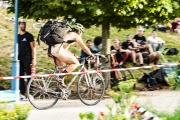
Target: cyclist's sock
[[62, 79]]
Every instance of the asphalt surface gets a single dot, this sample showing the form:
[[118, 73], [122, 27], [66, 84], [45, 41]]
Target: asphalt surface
[[67, 110], [162, 101]]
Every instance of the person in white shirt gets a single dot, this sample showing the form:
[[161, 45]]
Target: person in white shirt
[[156, 42]]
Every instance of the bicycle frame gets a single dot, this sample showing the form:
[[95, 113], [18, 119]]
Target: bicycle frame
[[87, 76]]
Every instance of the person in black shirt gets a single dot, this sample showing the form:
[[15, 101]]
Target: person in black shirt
[[146, 49], [120, 55], [26, 54], [128, 44], [140, 40]]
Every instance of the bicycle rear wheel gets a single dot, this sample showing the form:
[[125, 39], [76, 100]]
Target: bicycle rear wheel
[[126, 74], [91, 91], [41, 92]]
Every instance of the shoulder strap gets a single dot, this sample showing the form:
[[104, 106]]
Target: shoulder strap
[[38, 39]]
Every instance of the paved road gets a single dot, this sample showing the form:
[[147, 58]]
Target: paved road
[[164, 101], [67, 110]]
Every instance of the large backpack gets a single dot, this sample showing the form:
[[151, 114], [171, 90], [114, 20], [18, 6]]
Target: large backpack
[[53, 32], [170, 51]]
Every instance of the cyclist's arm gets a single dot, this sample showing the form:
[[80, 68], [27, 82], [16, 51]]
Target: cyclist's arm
[[78, 39], [82, 45]]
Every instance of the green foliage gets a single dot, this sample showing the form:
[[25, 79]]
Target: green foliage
[[117, 12], [19, 113], [174, 116], [174, 81], [165, 116], [87, 116], [127, 86], [122, 99]]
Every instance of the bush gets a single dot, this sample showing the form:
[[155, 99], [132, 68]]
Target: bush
[[18, 113], [174, 80]]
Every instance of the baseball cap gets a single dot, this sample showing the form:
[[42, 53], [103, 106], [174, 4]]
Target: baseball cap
[[141, 29], [129, 35], [22, 21]]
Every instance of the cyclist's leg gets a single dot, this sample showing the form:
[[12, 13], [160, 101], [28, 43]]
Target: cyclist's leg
[[59, 63], [65, 56]]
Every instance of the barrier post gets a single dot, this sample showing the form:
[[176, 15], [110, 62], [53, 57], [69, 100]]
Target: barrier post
[[15, 62]]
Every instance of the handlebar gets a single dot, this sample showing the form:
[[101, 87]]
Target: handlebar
[[100, 55]]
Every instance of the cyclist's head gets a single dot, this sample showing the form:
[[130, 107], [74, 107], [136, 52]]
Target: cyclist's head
[[77, 27], [22, 25]]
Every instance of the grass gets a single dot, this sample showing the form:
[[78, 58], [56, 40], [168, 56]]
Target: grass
[[7, 44]]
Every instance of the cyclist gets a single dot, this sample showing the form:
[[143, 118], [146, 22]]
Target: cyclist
[[64, 56]]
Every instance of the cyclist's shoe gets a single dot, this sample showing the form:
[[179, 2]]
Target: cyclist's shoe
[[61, 82]]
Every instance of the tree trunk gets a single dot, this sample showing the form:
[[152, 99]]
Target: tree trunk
[[106, 49]]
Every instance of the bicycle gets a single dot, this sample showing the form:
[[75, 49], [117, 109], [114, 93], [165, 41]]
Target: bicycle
[[120, 75], [43, 93], [98, 65]]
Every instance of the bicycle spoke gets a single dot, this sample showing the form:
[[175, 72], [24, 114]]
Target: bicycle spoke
[[38, 92], [91, 95]]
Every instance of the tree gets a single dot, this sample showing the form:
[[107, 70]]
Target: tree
[[118, 13]]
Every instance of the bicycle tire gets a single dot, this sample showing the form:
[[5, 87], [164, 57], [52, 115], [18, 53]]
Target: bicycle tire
[[126, 74], [91, 95], [106, 79], [38, 90]]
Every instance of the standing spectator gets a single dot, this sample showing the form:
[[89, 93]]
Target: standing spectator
[[128, 44], [140, 40], [89, 45], [156, 42], [26, 55], [97, 46], [120, 55]]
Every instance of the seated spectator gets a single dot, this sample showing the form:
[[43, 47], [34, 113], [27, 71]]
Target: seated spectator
[[128, 44], [175, 24], [97, 46], [140, 40], [178, 28], [146, 49], [120, 55], [156, 42], [89, 45]]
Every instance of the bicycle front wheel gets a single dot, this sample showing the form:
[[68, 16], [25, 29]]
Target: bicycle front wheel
[[41, 92], [91, 91]]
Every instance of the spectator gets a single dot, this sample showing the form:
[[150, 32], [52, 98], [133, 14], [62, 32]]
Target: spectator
[[178, 28], [128, 44], [156, 42], [140, 40], [120, 55], [97, 46], [175, 24], [89, 45], [26, 55]]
